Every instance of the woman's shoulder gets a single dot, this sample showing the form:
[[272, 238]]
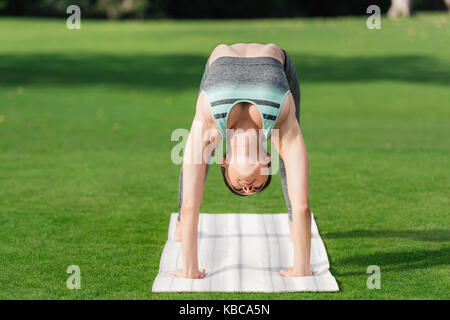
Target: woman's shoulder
[[203, 112], [247, 50], [287, 113]]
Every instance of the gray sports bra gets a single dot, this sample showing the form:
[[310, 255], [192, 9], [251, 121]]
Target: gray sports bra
[[258, 80]]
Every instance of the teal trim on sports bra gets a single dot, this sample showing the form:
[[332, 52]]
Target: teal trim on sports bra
[[268, 100]]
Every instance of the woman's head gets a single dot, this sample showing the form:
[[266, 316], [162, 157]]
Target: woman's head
[[246, 167]]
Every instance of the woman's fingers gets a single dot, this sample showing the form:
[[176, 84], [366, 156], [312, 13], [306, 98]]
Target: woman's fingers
[[291, 273], [180, 273], [177, 273], [202, 272], [285, 273]]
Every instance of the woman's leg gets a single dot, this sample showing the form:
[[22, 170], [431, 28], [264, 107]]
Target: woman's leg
[[294, 87]]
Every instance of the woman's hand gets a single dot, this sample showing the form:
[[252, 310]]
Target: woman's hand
[[291, 272], [181, 273]]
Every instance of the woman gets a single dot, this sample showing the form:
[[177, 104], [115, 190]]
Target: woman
[[246, 89]]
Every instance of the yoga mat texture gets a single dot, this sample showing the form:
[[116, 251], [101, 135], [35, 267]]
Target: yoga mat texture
[[244, 253]]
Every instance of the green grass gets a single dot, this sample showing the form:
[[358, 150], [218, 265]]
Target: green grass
[[85, 171]]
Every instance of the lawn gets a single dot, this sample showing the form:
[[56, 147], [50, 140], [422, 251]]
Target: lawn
[[86, 178]]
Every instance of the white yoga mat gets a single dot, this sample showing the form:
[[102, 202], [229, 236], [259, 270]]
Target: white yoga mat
[[244, 253]]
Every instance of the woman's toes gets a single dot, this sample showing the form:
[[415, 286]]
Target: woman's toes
[[284, 272]]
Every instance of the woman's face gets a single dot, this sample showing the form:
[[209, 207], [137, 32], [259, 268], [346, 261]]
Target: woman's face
[[246, 167], [247, 177]]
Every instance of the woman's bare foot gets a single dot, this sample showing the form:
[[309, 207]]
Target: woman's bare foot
[[181, 273], [291, 273], [291, 230], [178, 231]]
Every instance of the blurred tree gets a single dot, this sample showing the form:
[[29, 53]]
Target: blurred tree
[[44, 7], [268, 8], [201, 9], [403, 8], [399, 8], [429, 4], [115, 9]]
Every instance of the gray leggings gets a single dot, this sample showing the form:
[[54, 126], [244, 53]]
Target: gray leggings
[[292, 78]]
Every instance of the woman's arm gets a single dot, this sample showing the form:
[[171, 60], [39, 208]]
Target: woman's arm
[[292, 150], [194, 164]]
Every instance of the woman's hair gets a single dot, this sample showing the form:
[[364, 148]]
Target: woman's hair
[[224, 173]]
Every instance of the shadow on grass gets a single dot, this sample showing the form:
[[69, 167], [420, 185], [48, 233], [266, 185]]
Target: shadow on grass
[[438, 235], [392, 261], [398, 260], [176, 72], [406, 260]]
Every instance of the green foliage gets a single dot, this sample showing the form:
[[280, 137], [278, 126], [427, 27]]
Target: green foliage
[[115, 9]]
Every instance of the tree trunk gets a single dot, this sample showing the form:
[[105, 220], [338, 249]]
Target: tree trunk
[[447, 3], [400, 8]]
